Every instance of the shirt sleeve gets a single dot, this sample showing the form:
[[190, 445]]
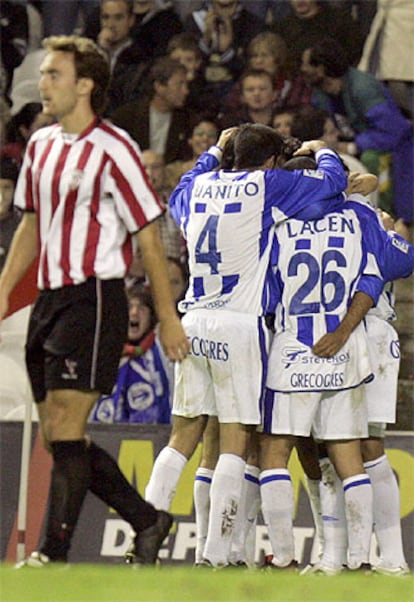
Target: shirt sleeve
[[179, 202], [307, 194]]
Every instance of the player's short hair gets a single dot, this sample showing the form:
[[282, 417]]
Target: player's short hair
[[254, 143], [302, 162], [90, 63]]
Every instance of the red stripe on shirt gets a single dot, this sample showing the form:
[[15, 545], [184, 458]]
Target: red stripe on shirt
[[106, 128], [69, 209], [43, 265], [94, 227]]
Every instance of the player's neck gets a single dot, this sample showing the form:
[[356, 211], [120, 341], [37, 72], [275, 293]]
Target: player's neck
[[77, 121]]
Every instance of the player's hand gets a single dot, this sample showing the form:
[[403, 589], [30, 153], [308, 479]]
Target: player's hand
[[225, 136], [330, 343], [173, 339], [387, 221], [364, 183], [311, 146]]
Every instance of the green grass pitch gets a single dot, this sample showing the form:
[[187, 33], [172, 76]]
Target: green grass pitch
[[109, 583]]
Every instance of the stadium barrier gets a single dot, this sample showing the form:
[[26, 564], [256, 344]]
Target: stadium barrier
[[102, 536]]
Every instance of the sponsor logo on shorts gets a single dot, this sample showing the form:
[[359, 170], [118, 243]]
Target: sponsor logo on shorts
[[71, 373], [213, 350], [295, 355]]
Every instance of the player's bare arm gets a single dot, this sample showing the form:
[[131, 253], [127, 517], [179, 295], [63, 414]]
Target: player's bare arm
[[23, 250], [331, 343], [172, 335]]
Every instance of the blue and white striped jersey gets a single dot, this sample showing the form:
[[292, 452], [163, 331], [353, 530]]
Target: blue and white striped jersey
[[228, 219], [319, 265]]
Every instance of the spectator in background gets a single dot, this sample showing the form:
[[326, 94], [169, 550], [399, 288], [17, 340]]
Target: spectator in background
[[178, 273], [183, 47], [160, 122], [14, 36], [309, 22], [268, 51], [310, 123], [257, 94], [223, 29], [156, 22], [282, 121], [389, 50], [170, 233], [63, 17], [125, 57], [361, 104], [20, 127], [142, 393], [9, 216], [204, 134]]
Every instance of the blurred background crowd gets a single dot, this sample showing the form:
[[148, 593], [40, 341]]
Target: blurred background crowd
[[181, 71]]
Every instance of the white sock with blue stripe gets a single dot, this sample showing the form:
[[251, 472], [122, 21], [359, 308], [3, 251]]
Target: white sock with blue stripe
[[358, 512], [333, 517], [387, 521], [201, 492], [277, 508]]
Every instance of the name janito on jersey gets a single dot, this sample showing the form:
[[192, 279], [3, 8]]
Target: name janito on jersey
[[330, 223], [214, 350], [225, 191]]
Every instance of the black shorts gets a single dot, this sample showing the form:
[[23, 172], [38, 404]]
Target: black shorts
[[75, 337]]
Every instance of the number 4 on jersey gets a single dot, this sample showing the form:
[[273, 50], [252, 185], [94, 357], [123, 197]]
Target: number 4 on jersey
[[208, 240]]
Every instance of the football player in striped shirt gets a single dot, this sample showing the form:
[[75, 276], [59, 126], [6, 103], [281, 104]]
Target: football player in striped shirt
[[87, 202]]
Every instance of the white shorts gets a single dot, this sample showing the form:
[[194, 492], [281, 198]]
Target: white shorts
[[384, 350], [327, 415], [224, 374]]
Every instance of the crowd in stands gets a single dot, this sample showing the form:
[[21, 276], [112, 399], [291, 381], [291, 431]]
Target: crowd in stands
[[182, 71]]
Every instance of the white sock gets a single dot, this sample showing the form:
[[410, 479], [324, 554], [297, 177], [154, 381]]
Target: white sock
[[225, 494], [315, 504], [277, 508], [246, 516], [165, 475], [386, 504], [332, 498], [202, 484], [358, 512]]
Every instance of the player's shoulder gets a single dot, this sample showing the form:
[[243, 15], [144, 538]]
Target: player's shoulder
[[45, 133], [361, 206], [113, 138]]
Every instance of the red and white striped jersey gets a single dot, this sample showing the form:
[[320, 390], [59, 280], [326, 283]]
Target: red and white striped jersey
[[90, 193]]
